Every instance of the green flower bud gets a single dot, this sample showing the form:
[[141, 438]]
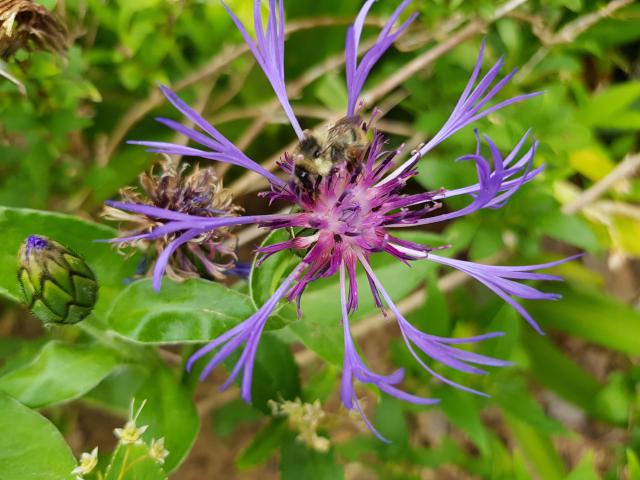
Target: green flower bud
[[58, 286]]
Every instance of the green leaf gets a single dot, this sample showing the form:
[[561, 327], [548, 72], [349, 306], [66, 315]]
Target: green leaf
[[570, 229], [556, 371], [592, 316], [538, 449], [192, 311], [110, 268], [132, 462], [615, 400], [30, 446], [59, 373], [448, 451], [297, 462], [227, 418], [390, 420], [320, 385], [433, 317], [633, 465], [265, 279], [169, 413], [332, 92], [514, 398], [593, 162], [463, 411], [275, 373], [486, 242], [507, 321], [585, 470], [116, 390], [264, 444], [611, 107]]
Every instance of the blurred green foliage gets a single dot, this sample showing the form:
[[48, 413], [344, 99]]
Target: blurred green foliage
[[567, 409]]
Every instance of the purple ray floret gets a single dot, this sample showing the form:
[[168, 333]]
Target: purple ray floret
[[268, 49], [220, 148], [501, 281], [357, 73], [494, 186], [355, 369], [471, 106], [248, 333], [438, 348], [353, 214]]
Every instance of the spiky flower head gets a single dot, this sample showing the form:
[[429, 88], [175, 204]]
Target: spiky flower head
[[169, 186], [349, 200], [57, 284], [25, 24]]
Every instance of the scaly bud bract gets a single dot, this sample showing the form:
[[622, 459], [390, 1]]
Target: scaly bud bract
[[58, 285]]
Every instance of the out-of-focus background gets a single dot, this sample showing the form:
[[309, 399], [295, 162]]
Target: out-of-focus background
[[567, 409]]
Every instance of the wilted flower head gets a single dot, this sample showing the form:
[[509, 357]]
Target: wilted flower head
[[25, 24], [208, 254], [347, 189]]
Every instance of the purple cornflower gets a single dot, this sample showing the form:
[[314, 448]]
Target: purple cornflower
[[351, 213]]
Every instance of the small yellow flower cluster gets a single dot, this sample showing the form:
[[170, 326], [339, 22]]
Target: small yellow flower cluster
[[87, 463], [157, 451], [304, 418], [130, 434]]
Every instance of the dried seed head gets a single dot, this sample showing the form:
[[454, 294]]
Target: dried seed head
[[25, 24], [197, 193]]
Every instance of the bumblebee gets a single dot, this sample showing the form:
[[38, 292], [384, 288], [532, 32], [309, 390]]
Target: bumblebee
[[317, 155]]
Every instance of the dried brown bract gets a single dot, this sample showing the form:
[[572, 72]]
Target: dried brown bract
[[199, 193], [25, 24]]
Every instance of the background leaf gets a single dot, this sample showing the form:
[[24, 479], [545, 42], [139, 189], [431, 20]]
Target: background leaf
[[59, 373], [34, 448], [169, 413], [192, 311], [297, 461]]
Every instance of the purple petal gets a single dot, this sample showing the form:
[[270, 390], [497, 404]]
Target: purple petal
[[268, 51], [470, 108], [496, 278], [248, 332], [358, 73], [163, 258]]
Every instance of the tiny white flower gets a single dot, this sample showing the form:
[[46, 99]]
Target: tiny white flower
[[157, 451], [130, 434], [87, 463]]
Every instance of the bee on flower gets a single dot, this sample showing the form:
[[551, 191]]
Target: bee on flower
[[346, 187]]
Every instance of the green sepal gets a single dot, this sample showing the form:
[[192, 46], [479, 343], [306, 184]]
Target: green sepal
[[57, 284]]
